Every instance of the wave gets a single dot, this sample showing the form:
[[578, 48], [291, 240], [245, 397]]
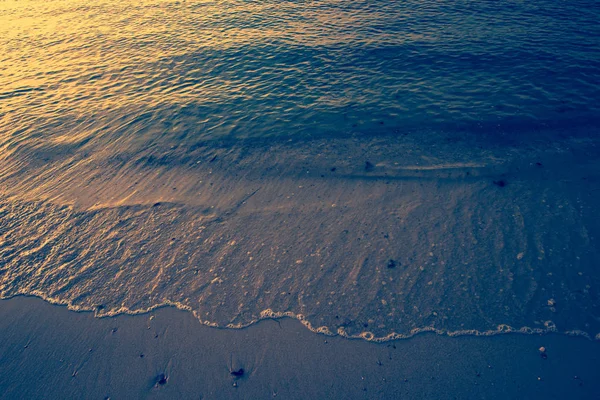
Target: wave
[[323, 330], [385, 249]]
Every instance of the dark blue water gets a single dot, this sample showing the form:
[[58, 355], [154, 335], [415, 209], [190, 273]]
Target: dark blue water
[[271, 68]]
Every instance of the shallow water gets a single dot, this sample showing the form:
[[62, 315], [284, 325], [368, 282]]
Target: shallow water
[[250, 159]]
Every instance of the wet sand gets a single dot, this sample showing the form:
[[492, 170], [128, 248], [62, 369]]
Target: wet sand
[[48, 351], [480, 238]]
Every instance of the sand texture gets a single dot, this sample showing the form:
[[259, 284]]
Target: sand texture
[[50, 352]]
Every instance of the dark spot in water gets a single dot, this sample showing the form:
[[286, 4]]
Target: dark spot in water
[[539, 164], [365, 325], [141, 356], [544, 355], [500, 183], [381, 122], [391, 264], [238, 372], [213, 159], [114, 330], [333, 169], [369, 166], [156, 204], [161, 379], [100, 307]]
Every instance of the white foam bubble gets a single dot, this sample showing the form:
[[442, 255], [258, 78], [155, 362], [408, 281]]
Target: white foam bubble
[[550, 327]]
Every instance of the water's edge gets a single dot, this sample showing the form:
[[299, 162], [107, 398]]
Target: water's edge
[[269, 314], [306, 232]]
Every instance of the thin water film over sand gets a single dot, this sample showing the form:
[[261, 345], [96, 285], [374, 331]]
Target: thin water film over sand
[[374, 169]]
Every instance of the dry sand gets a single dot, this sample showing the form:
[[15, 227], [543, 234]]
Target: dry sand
[[48, 351]]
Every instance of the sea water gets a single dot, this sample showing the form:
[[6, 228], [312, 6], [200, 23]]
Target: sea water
[[372, 168]]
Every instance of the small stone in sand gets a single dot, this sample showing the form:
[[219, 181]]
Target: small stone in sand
[[161, 379]]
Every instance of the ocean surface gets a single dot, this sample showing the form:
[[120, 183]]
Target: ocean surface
[[372, 168]]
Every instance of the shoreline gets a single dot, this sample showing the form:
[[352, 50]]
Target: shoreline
[[477, 238], [267, 315], [50, 351]]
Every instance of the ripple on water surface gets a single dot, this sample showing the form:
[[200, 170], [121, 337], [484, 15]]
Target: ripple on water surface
[[374, 169]]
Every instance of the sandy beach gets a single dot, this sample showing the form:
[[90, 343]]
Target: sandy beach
[[303, 200], [477, 240], [48, 351]]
